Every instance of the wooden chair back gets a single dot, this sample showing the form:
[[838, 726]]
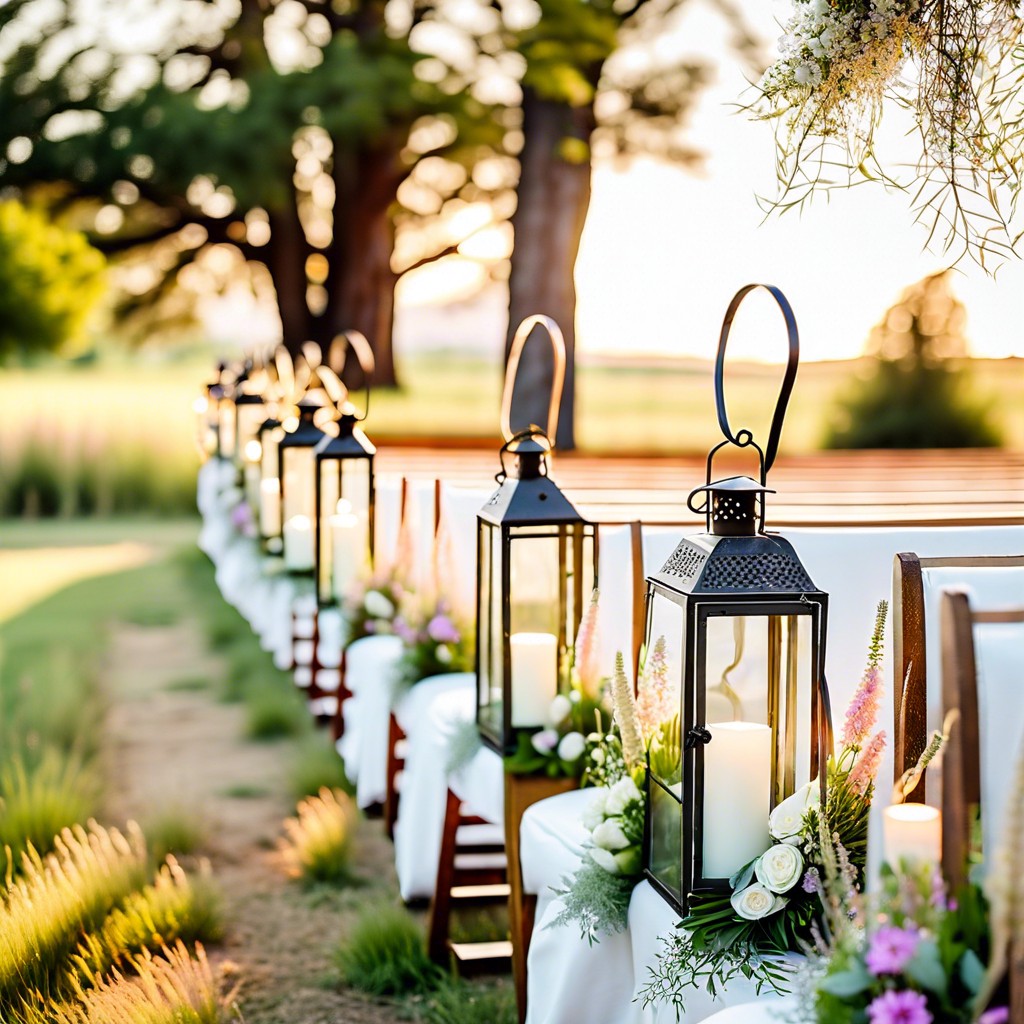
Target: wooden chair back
[[962, 762], [910, 667]]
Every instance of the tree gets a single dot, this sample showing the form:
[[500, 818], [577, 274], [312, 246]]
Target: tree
[[576, 101], [229, 158], [915, 397], [50, 282]]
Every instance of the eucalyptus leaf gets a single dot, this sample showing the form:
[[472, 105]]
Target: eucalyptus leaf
[[845, 984], [925, 967], [972, 972]]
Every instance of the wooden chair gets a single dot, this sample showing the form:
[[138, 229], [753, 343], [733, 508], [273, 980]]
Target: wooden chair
[[910, 668], [962, 773]]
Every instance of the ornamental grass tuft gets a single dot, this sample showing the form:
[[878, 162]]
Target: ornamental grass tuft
[[387, 955], [318, 843], [456, 1002], [60, 896]]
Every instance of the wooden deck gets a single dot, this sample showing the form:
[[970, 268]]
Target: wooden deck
[[962, 487]]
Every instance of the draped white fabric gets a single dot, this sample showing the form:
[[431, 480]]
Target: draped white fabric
[[387, 520]]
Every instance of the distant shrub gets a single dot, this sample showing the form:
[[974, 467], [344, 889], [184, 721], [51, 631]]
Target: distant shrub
[[318, 841], [916, 396], [387, 955], [273, 712], [173, 829], [317, 765]]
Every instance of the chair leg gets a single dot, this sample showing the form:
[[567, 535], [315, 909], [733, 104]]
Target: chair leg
[[395, 765], [441, 906]]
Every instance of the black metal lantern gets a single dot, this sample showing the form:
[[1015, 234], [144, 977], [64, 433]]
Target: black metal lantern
[[207, 410], [345, 493], [269, 437], [744, 630], [536, 568], [296, 453], [250, 412]]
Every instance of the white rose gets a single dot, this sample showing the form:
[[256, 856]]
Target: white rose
[[623, 793], [559, 709], [378, 606], [444, 654], [628, 861], [780, 868], [605, 860], [594, 812], [609, 835], [756, 902], [571, 746], [788, 818]]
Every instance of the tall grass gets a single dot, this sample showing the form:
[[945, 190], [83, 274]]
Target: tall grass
[[318, 841], [58, 897], [174, 908], [387, 955], [39, 801]]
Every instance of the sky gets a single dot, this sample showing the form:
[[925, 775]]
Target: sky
[[664, 249]]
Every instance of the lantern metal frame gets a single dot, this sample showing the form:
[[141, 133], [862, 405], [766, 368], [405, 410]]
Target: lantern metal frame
[[351, 447], [527, 506], [305, 435], [735, 569]]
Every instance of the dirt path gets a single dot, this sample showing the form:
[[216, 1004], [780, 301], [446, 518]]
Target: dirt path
[[172, 746]]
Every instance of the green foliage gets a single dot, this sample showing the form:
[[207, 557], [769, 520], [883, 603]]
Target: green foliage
[[38, 801], [173, 829], [273, 712], [317, 765], [50, 281], [318, 847], [596, 901], [457, 1002], [917, 394], [386, 955]]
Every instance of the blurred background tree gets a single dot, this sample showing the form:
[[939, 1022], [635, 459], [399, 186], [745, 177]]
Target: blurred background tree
[[51, 281], [917, 394]]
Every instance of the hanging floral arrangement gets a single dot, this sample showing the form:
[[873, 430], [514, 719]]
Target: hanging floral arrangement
[[956, 65]]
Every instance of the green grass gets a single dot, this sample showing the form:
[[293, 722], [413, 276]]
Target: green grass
[[189, 684], [245, 791], [386, 955], [274, 712], [318, 843], [316, 765], [173, 829], [457, 1002]]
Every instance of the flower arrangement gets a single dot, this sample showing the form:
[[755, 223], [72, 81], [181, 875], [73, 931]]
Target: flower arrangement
[[558, 749], [371, 606], [597, 896], [841, 59], [774, 900], [242, 519], [434, 643]]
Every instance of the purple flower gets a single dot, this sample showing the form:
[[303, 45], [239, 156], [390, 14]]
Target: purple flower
[[997, 1015], [442, 630], [812, 882], [891, 949], [900, 1008]]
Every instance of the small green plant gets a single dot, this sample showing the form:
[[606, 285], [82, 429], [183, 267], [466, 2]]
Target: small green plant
[[273, 712], [457, 1002], [188, 684], [318, 842], [58, 897], [245, 791], [174, 829], [175, 907], [38, 801], [317, 765], [387, 955]]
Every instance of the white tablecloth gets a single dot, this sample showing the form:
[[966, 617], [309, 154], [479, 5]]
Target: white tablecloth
[[370, 663], [424, 780]]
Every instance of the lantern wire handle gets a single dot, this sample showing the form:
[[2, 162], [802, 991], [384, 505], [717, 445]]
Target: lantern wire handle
[[358, 344], [523, 332], [531, 431], [793, 338]]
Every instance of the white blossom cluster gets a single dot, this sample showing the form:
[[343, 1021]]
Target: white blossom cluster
[[820, 33]]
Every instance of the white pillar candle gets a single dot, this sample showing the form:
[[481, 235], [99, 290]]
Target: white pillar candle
[[534, 677], [737, 784], [252, 485], [912, 833], [270, 507], [298, 544], [345, 552]]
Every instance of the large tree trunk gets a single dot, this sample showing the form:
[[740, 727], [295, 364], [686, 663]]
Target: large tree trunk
[[286, 260], [361, 283], [553, 198]]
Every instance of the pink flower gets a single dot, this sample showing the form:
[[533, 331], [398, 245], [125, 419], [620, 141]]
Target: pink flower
[[997, 1015], [863, 709], [891, 949], [864, 771], [442, 630], [587, 668], [656, 702], [899, 1008]]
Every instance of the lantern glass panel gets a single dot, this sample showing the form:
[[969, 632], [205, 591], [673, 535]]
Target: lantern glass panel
[[754, 690], [270, 439], [667, 619], [249, 416], [491, 631], [344, 530], [297, 487]]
